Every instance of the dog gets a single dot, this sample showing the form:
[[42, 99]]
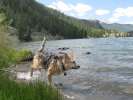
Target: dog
[[55, 64]]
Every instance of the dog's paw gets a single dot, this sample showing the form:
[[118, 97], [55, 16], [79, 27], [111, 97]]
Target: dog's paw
[[59, 85]]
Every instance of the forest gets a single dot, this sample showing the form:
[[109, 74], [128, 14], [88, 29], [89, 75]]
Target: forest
[[29, 16]]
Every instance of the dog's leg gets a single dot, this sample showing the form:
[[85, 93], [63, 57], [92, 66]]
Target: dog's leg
[[39, 70], [31, 72], [50, 79]]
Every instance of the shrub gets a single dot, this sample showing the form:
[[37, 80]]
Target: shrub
[[21, 54]]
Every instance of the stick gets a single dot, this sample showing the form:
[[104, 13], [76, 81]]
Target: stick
[[43, 44]]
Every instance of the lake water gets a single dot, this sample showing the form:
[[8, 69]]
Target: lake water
[[105, 74]]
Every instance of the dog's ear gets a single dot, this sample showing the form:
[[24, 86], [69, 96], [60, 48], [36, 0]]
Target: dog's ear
[[72, 55]]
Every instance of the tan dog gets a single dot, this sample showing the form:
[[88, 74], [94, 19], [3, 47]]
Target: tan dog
[[38, 61], [58, 64]]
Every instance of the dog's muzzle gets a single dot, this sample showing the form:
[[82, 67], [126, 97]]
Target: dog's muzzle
[[76, 67]]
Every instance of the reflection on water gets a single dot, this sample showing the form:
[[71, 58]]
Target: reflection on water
[[109, 67]]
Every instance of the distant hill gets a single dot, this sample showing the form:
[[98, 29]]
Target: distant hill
[[118, 27], [29, 16], [93, 23]]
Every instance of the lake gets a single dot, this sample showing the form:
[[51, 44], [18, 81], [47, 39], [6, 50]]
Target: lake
[[105, 74]]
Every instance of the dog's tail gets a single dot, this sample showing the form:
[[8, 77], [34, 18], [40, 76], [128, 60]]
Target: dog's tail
[[43, 44]]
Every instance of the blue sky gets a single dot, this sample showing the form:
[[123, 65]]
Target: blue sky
[[109, 11]]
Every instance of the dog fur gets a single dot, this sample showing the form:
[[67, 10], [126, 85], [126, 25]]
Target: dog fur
[[58, 64]]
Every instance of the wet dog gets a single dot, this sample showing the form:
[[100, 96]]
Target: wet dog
[[55, 65]]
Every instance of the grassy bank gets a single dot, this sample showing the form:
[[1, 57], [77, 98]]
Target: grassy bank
[[10, 90]]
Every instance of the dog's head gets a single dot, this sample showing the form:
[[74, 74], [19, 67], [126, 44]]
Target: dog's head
[[38, 60], [69, 61]]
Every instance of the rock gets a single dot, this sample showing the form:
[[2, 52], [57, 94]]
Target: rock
[[65, 73], [88, 53], [64, 48]]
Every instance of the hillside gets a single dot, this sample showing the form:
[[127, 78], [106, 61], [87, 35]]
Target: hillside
[[118, 27], [29, 16], [93, 23]]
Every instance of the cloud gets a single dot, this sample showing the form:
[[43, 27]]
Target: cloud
[[113, 20], [101, 12], [60, 5], [121, 12], [79, 9], [38, 0]]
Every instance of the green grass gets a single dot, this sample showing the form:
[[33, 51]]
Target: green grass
[[11, 56], [10, 90]]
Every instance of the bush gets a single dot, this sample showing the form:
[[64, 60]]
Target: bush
[[20, 55], [5, 57], [10, 56]]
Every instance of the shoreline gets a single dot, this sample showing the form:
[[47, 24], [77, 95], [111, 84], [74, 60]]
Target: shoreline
[[96, 90]]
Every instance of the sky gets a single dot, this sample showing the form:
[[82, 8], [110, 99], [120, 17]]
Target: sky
[[109, 11]]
